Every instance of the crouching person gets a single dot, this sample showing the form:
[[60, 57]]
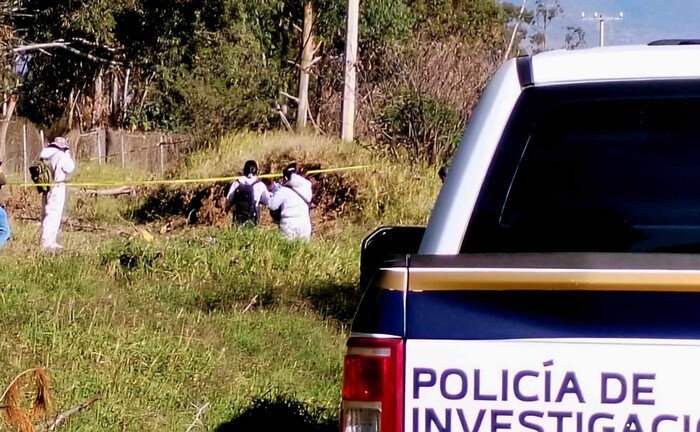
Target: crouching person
[[246, 194], [292, 202]]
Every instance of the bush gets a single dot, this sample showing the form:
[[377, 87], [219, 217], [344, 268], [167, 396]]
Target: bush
[[427, 128]]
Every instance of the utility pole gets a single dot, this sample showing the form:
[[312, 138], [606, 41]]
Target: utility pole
[[515, 30], [347, 132], [307, 54], [601, 22]]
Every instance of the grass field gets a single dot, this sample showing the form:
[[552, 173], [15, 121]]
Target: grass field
[[160, 324]]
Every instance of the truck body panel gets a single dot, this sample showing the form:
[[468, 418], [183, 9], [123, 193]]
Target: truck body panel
[[614, 385], [557, 284]]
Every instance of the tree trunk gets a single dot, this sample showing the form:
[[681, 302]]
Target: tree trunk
[[71, 108], [5, 125], [125, 97], [115, 98], [97, 108], [306, 57]]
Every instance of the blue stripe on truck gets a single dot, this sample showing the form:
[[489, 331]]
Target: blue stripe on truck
[[479, 315]]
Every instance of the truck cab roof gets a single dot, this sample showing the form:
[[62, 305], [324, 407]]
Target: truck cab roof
[[615, 63], [655, 72]]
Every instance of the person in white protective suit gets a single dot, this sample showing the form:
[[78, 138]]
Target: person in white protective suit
[[246, 194], [53, 202], [293, 201]]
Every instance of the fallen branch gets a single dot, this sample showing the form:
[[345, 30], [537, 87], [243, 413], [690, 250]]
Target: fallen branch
[[60, 419], [197, 418], [252, 303], [85, 228], [122, 190]]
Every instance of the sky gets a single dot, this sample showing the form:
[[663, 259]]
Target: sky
[[644, 20]]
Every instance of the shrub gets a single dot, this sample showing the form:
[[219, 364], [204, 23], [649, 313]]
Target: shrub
[[427, 128]]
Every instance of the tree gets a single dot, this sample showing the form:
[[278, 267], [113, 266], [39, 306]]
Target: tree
[[211, 66], [518, 18], [575, 38], [475, 20], [545, 12]]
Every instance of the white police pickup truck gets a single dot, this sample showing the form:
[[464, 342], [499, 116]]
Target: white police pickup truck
[[556, 286]]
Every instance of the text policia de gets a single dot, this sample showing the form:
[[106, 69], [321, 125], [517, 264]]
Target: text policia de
[[540, 401]]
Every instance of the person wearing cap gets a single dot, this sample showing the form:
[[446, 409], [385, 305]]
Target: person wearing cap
[[53, 202], [293, 202], [5, 231]]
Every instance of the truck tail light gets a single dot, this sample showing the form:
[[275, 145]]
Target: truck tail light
[[373, 386]]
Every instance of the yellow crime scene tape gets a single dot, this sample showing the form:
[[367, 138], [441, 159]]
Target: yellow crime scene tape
[[182, 181]]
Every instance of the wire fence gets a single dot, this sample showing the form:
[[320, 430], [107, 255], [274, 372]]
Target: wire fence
[[154, 152]]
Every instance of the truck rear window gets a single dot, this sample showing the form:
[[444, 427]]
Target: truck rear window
[[595, 168]]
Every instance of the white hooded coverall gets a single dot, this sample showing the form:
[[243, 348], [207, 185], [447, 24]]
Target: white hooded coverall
[[260, 193], [54, 201], [295, 220]]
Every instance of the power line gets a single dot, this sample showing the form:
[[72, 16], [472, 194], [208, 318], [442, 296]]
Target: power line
[[601, 22]]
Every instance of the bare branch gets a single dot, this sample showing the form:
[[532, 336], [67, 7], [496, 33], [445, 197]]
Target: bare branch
[[2, 398], [313, 121], [39, 46], [313, 62], [65, 46], [95, 44], [61, 418], [91, 56], [285, 121], [197, 418], [318, 47], [252, 303], [287, 95]]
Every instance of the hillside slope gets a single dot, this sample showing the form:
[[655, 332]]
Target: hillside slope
[[161, 323]]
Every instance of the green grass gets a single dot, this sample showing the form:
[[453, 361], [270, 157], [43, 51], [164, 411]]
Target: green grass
[[154, 337], [157, 325]]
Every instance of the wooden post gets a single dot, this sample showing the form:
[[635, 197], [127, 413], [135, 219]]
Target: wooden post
[[24, 152], [99, 147], [347, 132], [123, 153], [307, 54], [126, 92], [162, 155], [6, 124], [115, 97], [41, 136]]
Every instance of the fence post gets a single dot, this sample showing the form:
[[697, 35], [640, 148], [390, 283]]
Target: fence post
[[99, 147], [162, 162], [123, 155], [24, 152]]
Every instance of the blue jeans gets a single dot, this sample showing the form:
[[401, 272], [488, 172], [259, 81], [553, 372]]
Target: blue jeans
[[4, 227]]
